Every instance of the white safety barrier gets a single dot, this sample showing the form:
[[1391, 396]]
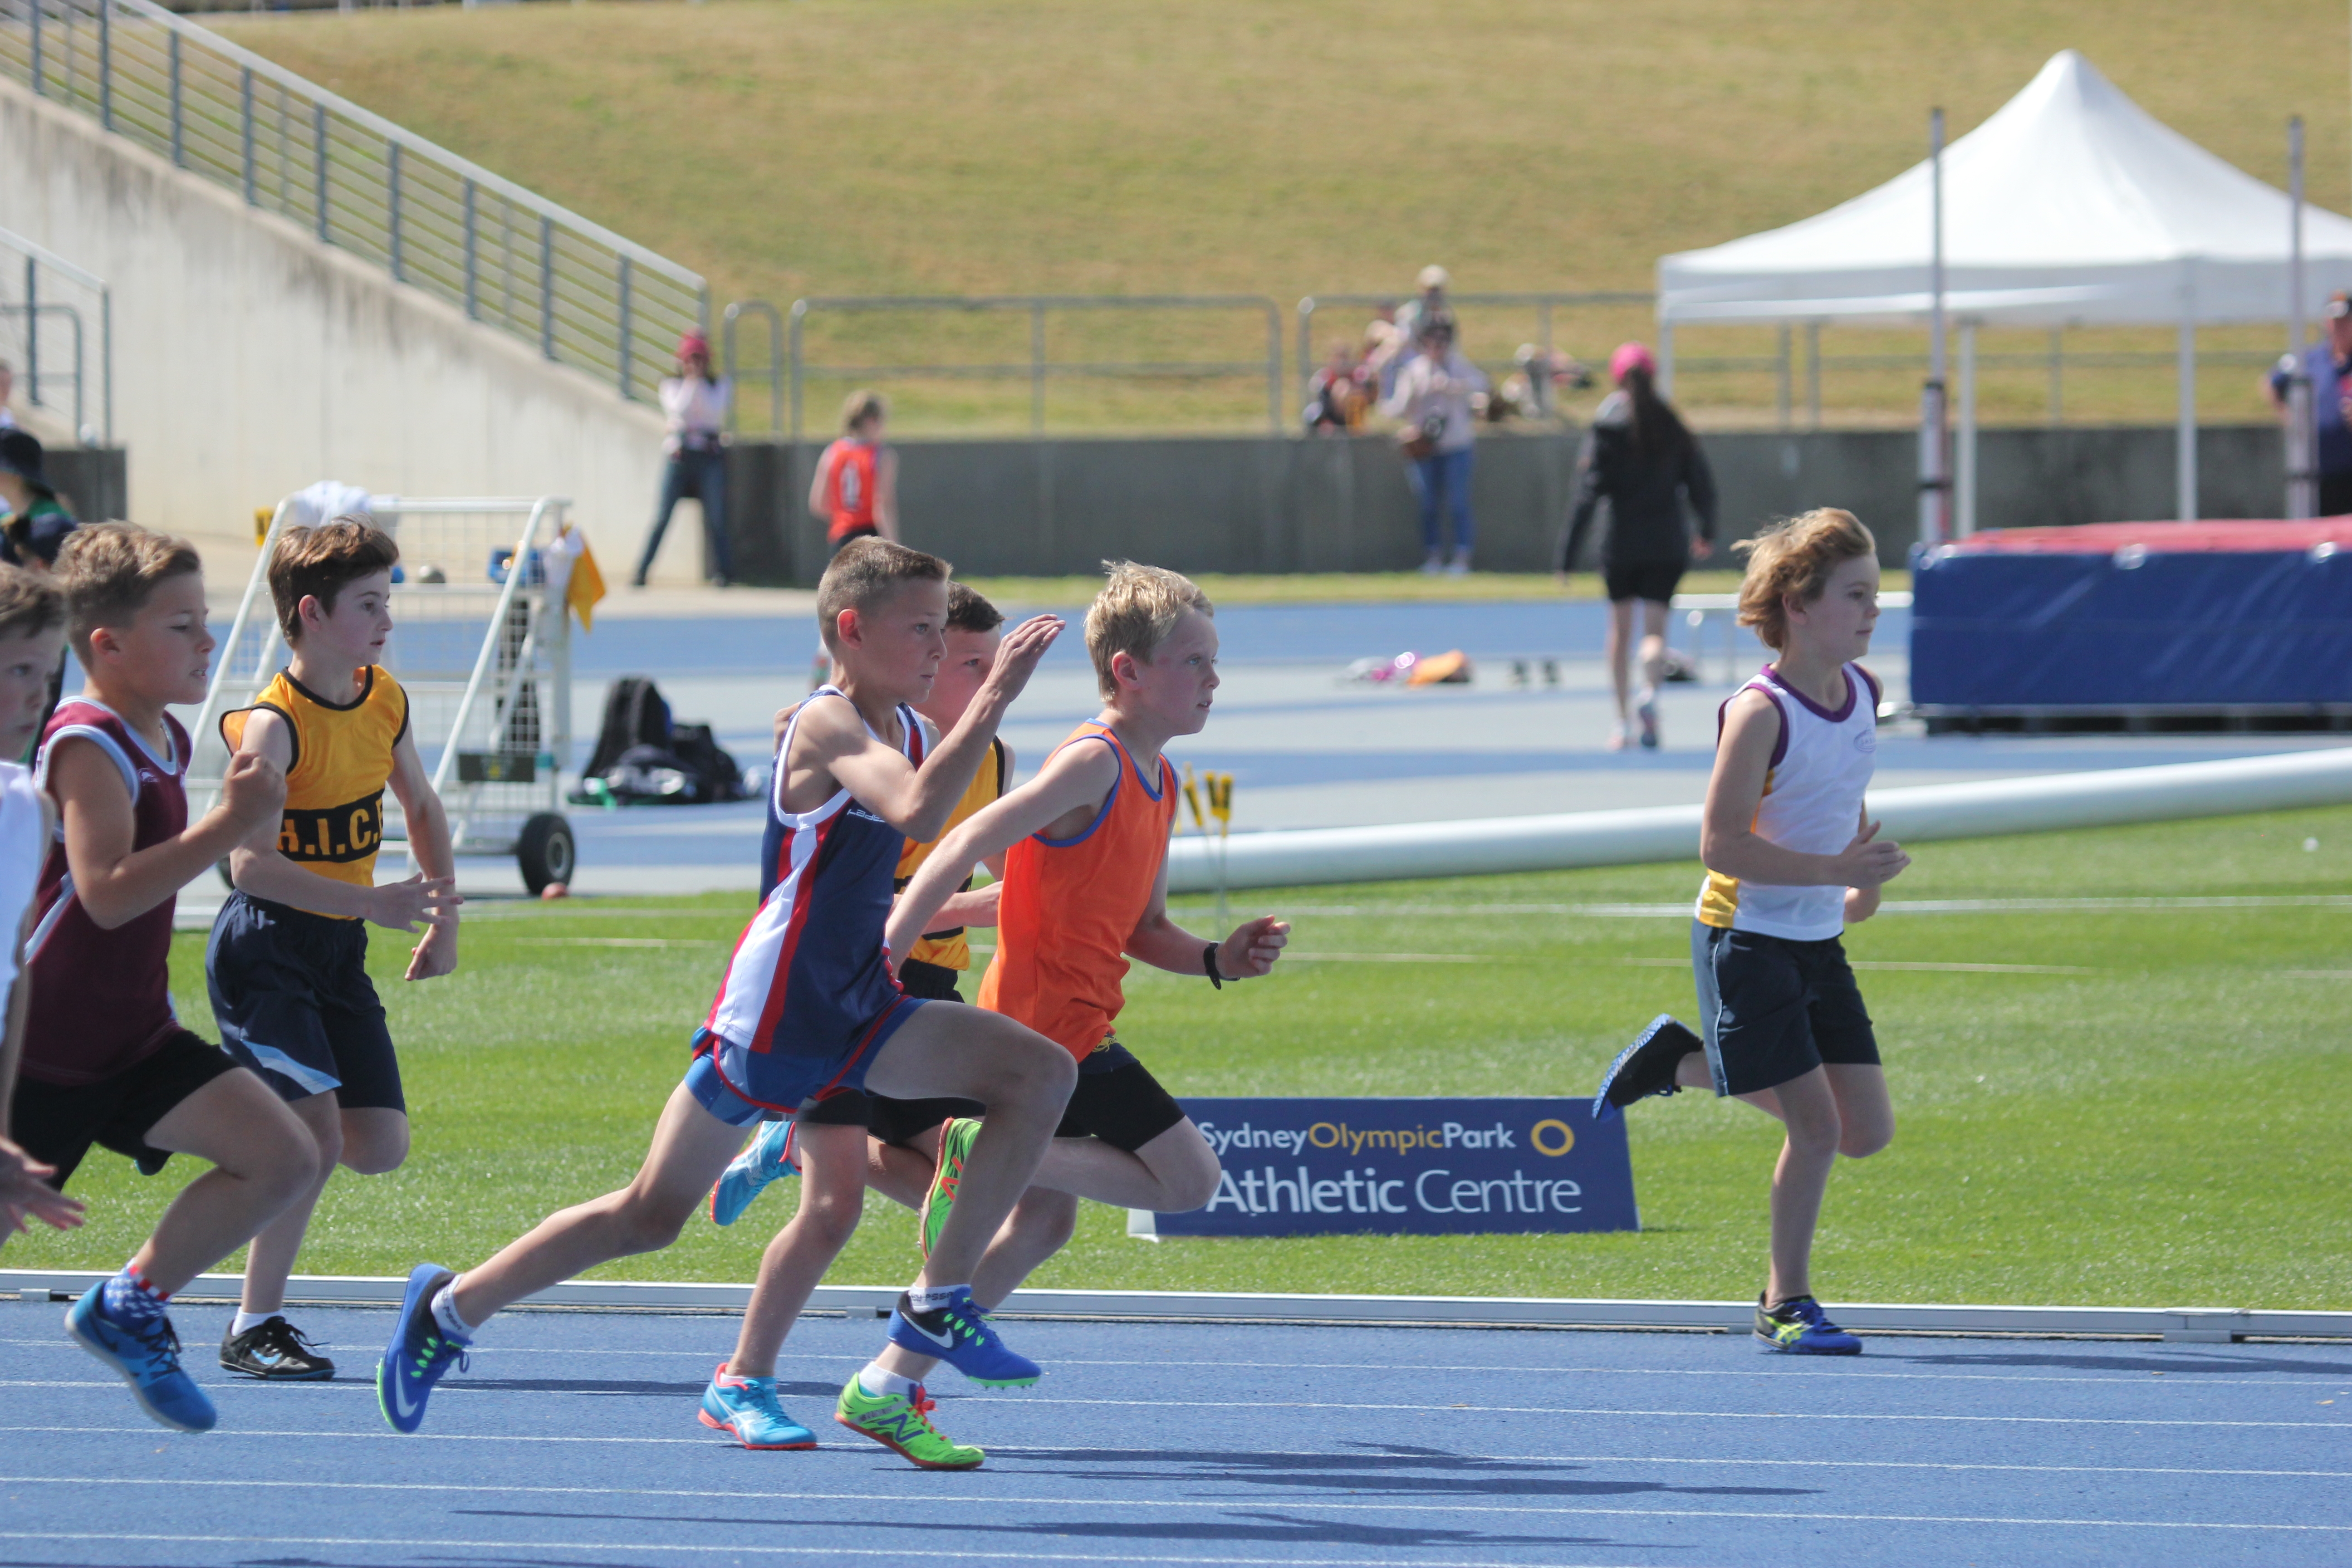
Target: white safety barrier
[[1404, 850]]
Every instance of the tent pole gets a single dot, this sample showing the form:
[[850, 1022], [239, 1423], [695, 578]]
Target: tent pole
[[1813, 373], [1935, 480], [1667, 360], [1964, 501], [2301, 497], [2185, 439]]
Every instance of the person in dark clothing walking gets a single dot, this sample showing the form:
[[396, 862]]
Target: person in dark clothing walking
[[1643, 460]]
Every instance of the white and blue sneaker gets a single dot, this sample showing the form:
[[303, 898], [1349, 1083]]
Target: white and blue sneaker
[[767, 1158], [146, 1355], [959, 1334], [746, 1408], [420, 1352]]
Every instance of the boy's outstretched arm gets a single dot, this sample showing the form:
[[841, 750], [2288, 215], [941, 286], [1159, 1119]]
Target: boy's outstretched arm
[[917, 801], [1728, 842], [116, 884], [436, 863], [259, 869], [1246, 953], [1075, 778]]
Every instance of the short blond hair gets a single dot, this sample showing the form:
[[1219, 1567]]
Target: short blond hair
[[864, 572], [860, 407], [1794, 557], [29, 603], [108, 571], [1135, 613]]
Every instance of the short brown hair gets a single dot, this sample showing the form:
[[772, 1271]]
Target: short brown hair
[[1795, 556], [109, 570], [319, 563], [1135, 613], [968, 612], [860, 407], [29, 603], [864, 572]]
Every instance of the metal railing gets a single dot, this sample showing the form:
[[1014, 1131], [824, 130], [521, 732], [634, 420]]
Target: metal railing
[[1039, 367], [1543, 303], [580, 294], [58, 296]]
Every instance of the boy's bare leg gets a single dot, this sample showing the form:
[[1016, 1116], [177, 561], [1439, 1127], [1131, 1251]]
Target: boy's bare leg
[[262, 1158], [1809, 1110], [271, 1259], [1175, 1171], [1023, 1081], [1865, 1110], [833, 1191], [690, 1150], [901, 1174]]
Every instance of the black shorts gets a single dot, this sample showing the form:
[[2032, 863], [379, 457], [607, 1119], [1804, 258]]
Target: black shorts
[[899, 1121], [1653, 580], [57, 1125], [293, 1002], [1775, 1009], [864, 531], [1117, 1100]]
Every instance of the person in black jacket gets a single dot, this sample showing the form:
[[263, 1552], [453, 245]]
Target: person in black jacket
[[1640, 456]]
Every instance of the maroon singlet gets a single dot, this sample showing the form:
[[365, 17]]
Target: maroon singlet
[[101, 999]]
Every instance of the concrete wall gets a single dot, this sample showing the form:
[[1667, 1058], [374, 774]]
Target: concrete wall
[[249, 360], [1271, 504]]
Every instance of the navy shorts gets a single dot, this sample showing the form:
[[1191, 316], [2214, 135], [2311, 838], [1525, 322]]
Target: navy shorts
[[293, 1002], [899, 1121], [741, 1086], [1774, 1009], [56, 1124]]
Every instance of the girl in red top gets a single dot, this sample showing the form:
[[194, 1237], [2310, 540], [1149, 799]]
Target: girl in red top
[[855, 490]]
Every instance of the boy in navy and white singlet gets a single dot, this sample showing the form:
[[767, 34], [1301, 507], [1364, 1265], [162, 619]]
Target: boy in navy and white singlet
[[809, 1007], [1793, 858], [105, 1060]]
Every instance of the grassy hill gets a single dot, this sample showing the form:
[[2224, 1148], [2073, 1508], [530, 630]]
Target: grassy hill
[[793, 147]]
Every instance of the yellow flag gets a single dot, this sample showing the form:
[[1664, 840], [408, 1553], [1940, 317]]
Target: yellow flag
[[586, 587]]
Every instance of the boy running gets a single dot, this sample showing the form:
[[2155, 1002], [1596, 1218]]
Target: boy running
[[287, 961], [1085, 888], [828, 1142], [1793, 858], [105, 1060], [809, 1007]]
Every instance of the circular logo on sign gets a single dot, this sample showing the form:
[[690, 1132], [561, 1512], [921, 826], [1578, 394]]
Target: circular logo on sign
[[1566, 1138]]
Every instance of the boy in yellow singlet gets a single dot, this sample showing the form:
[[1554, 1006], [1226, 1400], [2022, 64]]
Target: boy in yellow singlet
[[286, 965]]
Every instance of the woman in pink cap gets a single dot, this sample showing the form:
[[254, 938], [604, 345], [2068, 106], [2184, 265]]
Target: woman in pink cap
[[1643, 460], [694, 405]]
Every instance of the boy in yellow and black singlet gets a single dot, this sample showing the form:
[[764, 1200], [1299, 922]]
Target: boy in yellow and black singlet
[[286, 965]]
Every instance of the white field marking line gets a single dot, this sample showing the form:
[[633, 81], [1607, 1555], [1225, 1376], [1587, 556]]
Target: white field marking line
[[1891, 907], [1924, 968], [1678, 1415], [1251, 1503], [617, 941]]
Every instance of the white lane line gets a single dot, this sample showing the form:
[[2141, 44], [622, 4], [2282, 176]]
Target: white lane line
[[1891, 907], [615, 941], [1675, 1415], [1882, 964]]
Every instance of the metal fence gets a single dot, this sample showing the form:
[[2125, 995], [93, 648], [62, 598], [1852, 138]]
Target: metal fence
[[1544, 304], [579, 293], [59, 332], [791, 374]]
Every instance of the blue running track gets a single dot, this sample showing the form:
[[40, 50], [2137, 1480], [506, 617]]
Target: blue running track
[[572, 1441]]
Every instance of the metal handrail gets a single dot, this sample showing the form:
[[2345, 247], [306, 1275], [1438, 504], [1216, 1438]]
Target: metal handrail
[[508, 258], [1038, 368], [39, 260], [1544, 301], [735, 312]]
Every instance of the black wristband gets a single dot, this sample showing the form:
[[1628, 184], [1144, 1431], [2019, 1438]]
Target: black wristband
[[1208, 966]]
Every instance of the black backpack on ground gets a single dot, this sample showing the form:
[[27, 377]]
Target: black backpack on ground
[[635, 715], [646, 760]]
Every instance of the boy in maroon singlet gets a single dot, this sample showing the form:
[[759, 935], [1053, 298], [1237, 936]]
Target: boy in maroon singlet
[[105, 1061]]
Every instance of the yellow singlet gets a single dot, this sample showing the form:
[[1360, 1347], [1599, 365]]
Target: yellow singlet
[[342, 758], [948, 949]]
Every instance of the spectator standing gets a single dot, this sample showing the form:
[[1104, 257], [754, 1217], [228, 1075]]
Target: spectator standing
[[36, 522], [694, 405], [1432, 398], [1427, 305], [2327, 366], [1643, 459], [855, 487]]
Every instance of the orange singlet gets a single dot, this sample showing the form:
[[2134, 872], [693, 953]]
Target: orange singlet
[[1069, 905], [853, 472]]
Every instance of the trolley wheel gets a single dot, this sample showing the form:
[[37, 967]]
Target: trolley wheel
[[546, 851]]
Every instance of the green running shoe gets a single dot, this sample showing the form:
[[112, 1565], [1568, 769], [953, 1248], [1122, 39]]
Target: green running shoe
[[902, 1424], [956, 1136]]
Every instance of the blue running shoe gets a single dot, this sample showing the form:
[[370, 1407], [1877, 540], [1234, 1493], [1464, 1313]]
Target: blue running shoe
[[420, 1352], [767, 1158], [747, 1407], [1798, 1326], [959, 1336], [1646, 1067], [147, 1357]]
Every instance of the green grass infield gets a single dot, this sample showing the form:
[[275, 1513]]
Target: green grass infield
[[2120, 1069]]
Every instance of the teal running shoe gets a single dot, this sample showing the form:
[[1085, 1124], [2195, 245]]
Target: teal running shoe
[[147, 1357], [1798, 1326], [419, 1355], [960, 1334], [747, 1408], [767, 1158]]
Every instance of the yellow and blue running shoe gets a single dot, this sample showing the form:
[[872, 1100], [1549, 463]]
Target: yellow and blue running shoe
[[767, 1158], [901, 1423], [746, 1408], [420, 1352], [146, 1355], [960, 1334], [956, 1136], [1798, 1326]]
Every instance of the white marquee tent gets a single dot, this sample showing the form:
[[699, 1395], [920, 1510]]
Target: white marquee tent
[[2070, 205]]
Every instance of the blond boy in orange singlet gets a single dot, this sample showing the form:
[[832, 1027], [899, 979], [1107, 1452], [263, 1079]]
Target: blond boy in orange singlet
[[1085, 889]]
